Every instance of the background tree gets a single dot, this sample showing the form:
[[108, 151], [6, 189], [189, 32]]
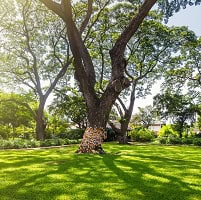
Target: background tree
[[145, 117], [35, 52], [69, 104], [148, 57], [179, 108], [184, 77], [99, 107], [16, 111]]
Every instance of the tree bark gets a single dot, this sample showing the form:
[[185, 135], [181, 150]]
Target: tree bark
[[92, 140], [95, 132], [40, 120], [125, 119]]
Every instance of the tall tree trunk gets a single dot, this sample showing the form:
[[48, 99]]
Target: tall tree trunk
[[122, 137], [125, 119], [40, 121]]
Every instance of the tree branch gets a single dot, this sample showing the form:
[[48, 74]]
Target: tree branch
[[88, 15], [129, 31], [55, 7]]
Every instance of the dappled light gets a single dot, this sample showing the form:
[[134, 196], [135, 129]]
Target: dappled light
[[124, 172]]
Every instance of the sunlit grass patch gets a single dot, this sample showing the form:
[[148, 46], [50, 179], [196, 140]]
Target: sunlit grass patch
[[144, 172]]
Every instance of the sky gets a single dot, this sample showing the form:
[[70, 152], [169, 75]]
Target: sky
[[190, 17]]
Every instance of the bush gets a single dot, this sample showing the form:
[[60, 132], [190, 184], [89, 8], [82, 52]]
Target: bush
[[18, 143], [167, 131], [197, 141], [174, 140], [198, 135], [5, 144], [22, 143], [187, 140], [162, 140], [52, 142], [72, 134], [111, 135], [141, 134]]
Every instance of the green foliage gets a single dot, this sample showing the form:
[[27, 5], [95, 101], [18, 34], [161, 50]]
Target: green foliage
[[145, 117], [174, 140], [182, 141], [168, 136], [52, 142], [16, 114], [56, 126], [197, 141], [179, 107], [169, 7], [188, 140], [111, 135], [72, 134], [141, 134], [198, 123], [162, 140], [18, 143], [5, 132], [69, 104], [167, 131]]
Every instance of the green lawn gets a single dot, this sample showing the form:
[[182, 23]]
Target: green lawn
[[132, 172]]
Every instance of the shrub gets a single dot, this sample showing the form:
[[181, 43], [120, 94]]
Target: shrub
[[111, 135], [72, 134], [162, 140], [187, 140], [198, 135], [22, 143], [75, 141], [5, 144], [18, 143], [197, 141], [174, 140], [166, 131], [52, 142], [141, 134]]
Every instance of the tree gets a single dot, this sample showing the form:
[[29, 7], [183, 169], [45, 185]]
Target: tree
[[98, 107], [70, 105], [179, 108], [148, 57], [145, 117], [15, 111], [185, 71], [35, 55]]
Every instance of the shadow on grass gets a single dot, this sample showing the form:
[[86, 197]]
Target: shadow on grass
[[125, 173]]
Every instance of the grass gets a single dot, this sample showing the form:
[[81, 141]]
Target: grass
[[132, 172]]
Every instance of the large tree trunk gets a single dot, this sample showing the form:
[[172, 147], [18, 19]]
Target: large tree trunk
[[95, 133], [92, 140]]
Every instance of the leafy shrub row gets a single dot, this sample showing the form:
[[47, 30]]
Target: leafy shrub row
[[22, 143], [141, 134], [176, 140], [72, 134]]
